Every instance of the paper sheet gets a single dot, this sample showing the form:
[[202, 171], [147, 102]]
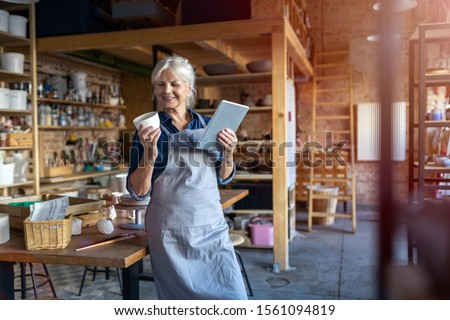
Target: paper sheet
[[49, 210]]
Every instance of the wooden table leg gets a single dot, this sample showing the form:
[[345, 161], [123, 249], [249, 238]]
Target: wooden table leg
[[6, 280]]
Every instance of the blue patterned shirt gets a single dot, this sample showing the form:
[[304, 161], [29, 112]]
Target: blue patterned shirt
[[137, 151]]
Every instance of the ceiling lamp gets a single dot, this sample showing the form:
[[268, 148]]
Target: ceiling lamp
[[398, 5], [377, 37]]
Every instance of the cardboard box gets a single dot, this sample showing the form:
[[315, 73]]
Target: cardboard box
[[17, 214]]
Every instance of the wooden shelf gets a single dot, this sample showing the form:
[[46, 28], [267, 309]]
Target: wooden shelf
[[7, 39], [437, 123], [27, 46], [17, 184], [79, 103], [13, 76], [253, 176], [251, 109], [78, 128], [82, 175], [15, 112], [251, 211], [236, 79], [435, 32], [16, 148]]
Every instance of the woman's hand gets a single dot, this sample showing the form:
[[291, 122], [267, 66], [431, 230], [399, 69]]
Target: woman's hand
[[149, 138], [228, 140]]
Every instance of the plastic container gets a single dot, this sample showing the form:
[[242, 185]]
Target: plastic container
[[261, 234], [7, 174], [79, 80], [4, 20], [17, 25], [5, 98], [18, 100], [12, 61]]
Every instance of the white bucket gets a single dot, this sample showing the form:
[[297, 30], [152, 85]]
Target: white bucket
[[12, 61], [4, 98], [119, 184], [7, 174], [79, 80], [4, 20], [17, 25], [18, 100]]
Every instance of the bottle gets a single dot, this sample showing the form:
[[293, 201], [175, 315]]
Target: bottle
[[437, 113]]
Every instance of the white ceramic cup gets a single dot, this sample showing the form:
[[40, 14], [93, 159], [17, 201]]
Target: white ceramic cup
[[150, 119]]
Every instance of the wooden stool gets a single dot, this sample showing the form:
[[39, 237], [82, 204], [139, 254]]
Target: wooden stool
[[23, 280], [237, 240], [95, 270]]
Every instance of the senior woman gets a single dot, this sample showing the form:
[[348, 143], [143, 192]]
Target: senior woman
[[191, 254]]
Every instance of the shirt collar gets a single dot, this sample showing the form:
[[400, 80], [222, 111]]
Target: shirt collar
[[165, 118]]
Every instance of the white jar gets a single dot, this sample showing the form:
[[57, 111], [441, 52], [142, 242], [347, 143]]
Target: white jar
[[12, 61], [4, 20], [5, 98], [17, 25], [18, 99]]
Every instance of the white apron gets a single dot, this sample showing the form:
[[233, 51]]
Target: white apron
[[191, 253]]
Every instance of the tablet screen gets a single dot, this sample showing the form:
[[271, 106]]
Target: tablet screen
[[228, 115]]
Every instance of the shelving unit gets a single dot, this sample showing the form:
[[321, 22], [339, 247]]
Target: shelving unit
[[239, 42], [9, 42], [423, 177]]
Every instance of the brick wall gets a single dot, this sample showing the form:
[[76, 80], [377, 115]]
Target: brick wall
[[345, 24]]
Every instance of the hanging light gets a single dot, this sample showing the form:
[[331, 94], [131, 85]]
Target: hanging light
[[398, 5], [377, 37]]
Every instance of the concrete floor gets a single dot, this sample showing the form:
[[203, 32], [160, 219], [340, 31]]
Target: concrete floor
[[328, 263]]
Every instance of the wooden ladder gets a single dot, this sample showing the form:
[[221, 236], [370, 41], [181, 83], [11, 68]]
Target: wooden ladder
[[333, 136]]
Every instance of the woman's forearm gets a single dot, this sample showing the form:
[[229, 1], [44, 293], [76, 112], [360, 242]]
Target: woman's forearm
[[141, 178], [226, 168]]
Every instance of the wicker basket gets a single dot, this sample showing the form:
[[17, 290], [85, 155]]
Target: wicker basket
[[52, 234]]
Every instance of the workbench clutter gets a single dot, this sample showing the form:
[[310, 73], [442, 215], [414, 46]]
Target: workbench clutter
[[18, 209]]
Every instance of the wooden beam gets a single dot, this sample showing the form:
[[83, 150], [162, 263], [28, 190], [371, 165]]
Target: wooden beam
[[238, 29], [297, 52], [279, 134]]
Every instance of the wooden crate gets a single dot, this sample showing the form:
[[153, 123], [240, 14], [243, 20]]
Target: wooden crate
[[19, 139], [50, 172], [90, 219]]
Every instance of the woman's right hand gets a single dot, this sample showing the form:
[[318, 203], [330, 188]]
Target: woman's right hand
[[149, 138]]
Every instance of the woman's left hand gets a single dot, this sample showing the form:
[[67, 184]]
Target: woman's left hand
[[227, 138]]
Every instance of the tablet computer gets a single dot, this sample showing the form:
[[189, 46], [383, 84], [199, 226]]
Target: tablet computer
[[227, 115]]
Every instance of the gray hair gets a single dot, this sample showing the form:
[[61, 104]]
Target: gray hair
[[182, 68]]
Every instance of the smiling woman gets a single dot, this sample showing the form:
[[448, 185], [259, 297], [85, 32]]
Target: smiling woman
[[191, 253]]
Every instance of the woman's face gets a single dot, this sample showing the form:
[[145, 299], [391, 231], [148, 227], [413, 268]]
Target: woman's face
[[171, 91]]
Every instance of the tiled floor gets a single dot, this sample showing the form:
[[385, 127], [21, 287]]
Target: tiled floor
[[328, 263]]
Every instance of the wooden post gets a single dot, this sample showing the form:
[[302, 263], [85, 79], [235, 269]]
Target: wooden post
[[279, 135]]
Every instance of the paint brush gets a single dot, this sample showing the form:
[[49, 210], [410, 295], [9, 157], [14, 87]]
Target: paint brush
[[118, 238]]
